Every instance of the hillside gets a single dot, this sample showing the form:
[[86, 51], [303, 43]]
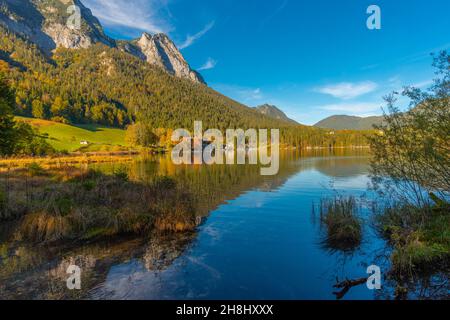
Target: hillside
[[275, 113], [113, 84], [69, 137], [343, 122], [106, 86]]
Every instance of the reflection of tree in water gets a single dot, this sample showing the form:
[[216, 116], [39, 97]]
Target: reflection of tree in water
[[341, 167], [37, 272], [212, 186], [40, 272], [28, 273], [164, 249]]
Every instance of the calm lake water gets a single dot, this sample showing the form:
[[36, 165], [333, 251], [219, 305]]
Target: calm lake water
[[258, 239]]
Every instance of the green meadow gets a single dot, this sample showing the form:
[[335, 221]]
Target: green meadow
[[69, 137]]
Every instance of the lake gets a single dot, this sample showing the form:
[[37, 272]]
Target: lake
[[258, 238]]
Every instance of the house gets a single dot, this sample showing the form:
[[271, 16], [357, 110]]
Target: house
[[84, 143]]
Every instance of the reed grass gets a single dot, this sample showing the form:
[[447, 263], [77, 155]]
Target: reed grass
[[76, 204], [339, 215]]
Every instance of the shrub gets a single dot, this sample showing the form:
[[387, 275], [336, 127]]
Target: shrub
[[34, 169], [420, 237], [121, 174], [60, 120], [2, 201], [164, 183]]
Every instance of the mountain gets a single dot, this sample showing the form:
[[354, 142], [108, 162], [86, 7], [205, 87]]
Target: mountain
[[343, 122], [45, 23], [159, 50], [273, 112], [84, 77]]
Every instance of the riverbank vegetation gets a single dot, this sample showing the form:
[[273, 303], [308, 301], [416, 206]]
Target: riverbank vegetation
[[411, 171], [76, 204], [420, 237]]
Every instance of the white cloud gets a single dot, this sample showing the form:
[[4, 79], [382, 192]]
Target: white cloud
[[246, 95], [348, 90], [423, 84], [209, 64], [191, 39], [142, 15], [354, 108]]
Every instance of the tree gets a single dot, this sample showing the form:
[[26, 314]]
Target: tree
[[59, 107], [412, 149], [7, 131], [140, 134], [37, 109], [30, 142]]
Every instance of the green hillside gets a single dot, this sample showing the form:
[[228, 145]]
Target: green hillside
[[111, 88], [69, 137], [343, 122], [275, 113]]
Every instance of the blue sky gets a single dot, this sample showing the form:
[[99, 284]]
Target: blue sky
[[311, 58]]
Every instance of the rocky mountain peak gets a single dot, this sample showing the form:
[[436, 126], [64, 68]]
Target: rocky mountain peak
[[44, 22], [159, 50], [274, 112]]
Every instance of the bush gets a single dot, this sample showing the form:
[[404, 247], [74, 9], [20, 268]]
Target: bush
[[34, 169], [420, 236], [121, 174], [164, 183], [2, 201], [60, 120]]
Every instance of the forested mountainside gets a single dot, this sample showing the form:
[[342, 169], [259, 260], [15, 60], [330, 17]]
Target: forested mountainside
[[90, 78], [349, 123], [274, 112]]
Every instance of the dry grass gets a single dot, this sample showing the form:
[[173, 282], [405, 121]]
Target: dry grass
[[77, 204], [62, 161]]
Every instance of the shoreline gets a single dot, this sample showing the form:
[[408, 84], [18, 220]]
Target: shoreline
[[119, 156]]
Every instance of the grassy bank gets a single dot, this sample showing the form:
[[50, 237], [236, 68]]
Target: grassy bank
[[76, 204], [67, 160], [69, 137]]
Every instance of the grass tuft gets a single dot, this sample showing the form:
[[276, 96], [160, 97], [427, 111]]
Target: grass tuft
[[343, 226]]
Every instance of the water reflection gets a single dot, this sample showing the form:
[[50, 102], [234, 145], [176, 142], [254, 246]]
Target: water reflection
[[256, 241]]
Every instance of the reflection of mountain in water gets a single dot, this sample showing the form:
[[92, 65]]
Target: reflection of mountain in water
[[212, 186], [40, 272], [337, 167], [36, 273]]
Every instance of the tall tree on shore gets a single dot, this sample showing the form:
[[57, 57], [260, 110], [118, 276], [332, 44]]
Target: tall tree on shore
[[7, 124], [412, 149]]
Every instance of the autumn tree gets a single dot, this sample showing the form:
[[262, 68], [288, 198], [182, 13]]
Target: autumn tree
[[37, 109], [412, 148], [140, 134]]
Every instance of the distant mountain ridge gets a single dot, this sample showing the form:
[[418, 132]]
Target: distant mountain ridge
[[44, 22], [344, 122], [274, 112]]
